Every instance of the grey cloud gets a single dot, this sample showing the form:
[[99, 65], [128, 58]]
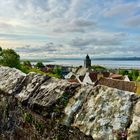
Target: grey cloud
[[111, 40], [120, 9], [132, 48], [33, 11], [112, 50], [83, 23], [133, 21], [49, 47], [44, 14], [5, 25], [27, 49], [81, 18], [80, 42], [78, 25], [69, 29]]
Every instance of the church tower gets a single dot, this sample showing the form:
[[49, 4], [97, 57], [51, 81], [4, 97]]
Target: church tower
[[87, 62]]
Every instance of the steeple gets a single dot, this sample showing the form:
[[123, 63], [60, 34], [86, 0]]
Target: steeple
[[87, 62], [87, 57]]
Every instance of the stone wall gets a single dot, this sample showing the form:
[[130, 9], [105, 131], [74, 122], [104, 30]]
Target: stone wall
[[42, 107]]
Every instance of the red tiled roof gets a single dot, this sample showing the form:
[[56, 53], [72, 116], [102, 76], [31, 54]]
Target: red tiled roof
[[73, 80], [116, 76], [93, 76]]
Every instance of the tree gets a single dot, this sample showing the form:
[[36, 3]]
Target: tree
[[0, 49], [0, 55], [27, 63], [133, 75], [123, 72], [39, 65], [138, 78], [58, 71], [9, 58]]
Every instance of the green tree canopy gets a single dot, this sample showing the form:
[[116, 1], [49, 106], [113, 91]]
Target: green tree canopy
[[39, 65], [27, 63], [133, 75], [8, 57], [138, 78], [58, 71], [0, 49], [123, 72]]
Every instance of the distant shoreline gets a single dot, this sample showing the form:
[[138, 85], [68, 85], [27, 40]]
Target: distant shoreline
[[120, 59], [110, 63], [102, 59], [36, 60]]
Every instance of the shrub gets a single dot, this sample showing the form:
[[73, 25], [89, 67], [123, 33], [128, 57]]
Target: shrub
[[8, 57], [39, 65], [28, 118]]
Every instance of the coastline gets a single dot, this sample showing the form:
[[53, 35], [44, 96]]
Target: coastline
[[111, 64]]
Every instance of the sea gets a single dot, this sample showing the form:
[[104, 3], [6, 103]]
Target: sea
[[124, 64]]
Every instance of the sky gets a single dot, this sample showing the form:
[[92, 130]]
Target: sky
[[70, 28]]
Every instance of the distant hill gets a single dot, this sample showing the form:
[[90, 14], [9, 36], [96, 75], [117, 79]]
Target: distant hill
[[119, 59], [101, 58]]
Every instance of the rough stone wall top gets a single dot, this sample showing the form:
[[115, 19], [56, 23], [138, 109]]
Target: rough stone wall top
[[10, 79], [101, 112]]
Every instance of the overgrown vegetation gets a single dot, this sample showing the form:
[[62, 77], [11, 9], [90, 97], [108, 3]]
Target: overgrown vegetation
[[132, 74], [28, 118], [98, 68], [26, 69], [27, 63], [62, 103], [64, 99], [57, 71], [8, 57], [39, 65]]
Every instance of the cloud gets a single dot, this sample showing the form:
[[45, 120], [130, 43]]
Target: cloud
[[133, 21], [47, 16], [48, 47], [120, 9], [102, 39], [77, 25], [51, 50], [74, 27]]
